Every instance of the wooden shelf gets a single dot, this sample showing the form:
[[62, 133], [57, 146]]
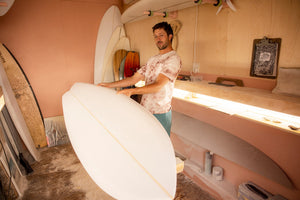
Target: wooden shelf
[[135, 12]]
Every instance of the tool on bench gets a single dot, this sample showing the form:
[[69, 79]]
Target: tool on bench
[[221, 80]]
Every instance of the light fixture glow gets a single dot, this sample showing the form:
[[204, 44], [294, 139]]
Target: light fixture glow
[[271, 117]]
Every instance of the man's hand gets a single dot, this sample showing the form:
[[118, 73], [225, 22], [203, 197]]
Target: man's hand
[[127, 92], [103, 84]]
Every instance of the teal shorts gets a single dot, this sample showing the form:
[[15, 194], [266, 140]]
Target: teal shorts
[[166, 120]]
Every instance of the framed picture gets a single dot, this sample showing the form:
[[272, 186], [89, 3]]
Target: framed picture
[[265, 56]]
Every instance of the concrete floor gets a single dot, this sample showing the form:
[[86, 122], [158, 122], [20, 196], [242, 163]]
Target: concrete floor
[[60, 176]]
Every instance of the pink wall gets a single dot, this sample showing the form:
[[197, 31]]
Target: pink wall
[[54, 42]]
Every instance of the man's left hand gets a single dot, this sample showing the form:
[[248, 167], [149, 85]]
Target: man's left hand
[[127, 92]]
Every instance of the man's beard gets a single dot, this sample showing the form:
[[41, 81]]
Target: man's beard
[[164, 46]]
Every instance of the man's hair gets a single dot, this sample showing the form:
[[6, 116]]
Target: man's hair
[[164, 25]]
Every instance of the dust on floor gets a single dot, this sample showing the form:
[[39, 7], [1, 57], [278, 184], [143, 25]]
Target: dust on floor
[[60, 176]]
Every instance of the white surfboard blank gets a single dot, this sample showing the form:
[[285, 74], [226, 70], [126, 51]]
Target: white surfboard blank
[[116, 42], [110, 21], [122, 146]]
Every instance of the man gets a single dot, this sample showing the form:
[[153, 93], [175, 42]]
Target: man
[[159, 74]]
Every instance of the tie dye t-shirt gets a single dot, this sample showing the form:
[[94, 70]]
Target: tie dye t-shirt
[[169, 65]]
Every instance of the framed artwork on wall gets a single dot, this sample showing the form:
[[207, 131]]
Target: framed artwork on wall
[[265, 56]]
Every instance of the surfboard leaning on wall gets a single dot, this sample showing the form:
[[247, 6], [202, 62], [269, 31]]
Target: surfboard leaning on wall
[[25, 97]]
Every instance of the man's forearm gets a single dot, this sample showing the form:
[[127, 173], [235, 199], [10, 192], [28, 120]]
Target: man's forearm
[[151, 88], [123, 83]]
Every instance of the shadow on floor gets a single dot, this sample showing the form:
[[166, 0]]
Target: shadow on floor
[[60, 176]]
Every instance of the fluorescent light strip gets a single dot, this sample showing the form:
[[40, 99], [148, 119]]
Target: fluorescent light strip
[[267, 116]]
